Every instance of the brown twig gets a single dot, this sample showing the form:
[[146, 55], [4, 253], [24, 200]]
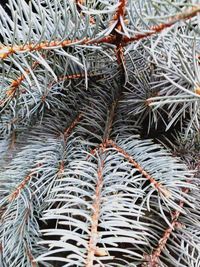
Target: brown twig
[[188, 14], [153, 259], [15, 84], [7, 51], [92, 248], [61, 168], [69, 129], [30, 256], [21, 186]]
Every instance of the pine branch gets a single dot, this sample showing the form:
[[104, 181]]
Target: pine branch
[[18, 191], [21, 186], [81, 82], [153, 182], [185, 15], [30, 256], [153, 260], [92, 249], [7, 51], [14, 86], [16, 83], [70, 128]]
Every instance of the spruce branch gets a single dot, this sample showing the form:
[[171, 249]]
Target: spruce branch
[[153, 260], [7, 51], [20, 187], [185, 15], [92, 248], [69, 129], [84, 86], [14, 86], [154, 183]]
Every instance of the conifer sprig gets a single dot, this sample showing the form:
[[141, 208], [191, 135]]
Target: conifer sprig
[[99, 133]]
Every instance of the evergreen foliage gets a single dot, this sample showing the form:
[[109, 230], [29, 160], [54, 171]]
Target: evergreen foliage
[[99, 133]]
